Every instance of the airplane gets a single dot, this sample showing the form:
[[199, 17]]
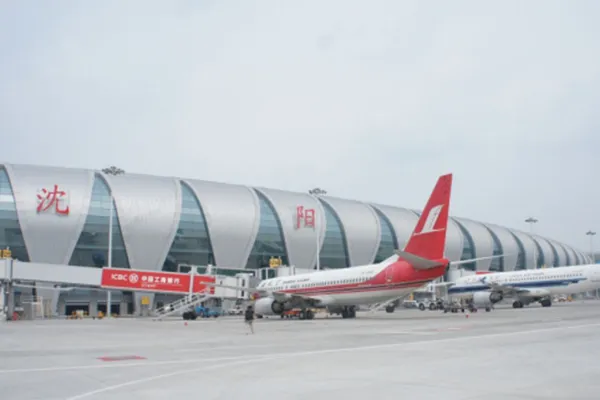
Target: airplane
[[525, 286], [340, 291]]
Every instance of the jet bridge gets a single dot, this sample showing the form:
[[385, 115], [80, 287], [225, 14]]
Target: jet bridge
[[51, 279]]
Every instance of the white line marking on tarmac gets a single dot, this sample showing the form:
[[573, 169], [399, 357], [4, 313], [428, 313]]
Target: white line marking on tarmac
[[309, 352], [408, 333], [162, 376], [232, 347], [313, 352]]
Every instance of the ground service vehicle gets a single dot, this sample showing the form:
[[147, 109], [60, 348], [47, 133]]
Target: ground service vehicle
[[201, 312]]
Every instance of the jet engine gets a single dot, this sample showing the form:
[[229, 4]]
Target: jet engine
[[268, 306], [485, 299]]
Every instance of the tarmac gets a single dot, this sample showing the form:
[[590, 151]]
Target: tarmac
[[532, 353]]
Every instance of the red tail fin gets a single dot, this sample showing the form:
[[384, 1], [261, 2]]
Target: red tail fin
[[428, 240]]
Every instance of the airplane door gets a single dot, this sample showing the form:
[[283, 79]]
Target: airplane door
[[389, 274]]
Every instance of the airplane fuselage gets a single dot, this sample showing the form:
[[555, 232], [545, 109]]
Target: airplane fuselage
[[535, 283], [353, 286], [348, 286]]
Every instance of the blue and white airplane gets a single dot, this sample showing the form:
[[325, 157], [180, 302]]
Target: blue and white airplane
[[525, 286]]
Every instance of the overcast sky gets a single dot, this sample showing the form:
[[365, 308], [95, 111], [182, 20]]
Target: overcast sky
[[370, 100]]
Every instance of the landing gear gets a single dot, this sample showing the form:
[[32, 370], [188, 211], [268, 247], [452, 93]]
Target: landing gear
[[546, 302], [390, 309], [517, 304], [349, 312], [306, 314]]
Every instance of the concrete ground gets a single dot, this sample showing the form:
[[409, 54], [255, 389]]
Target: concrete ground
[[532, 353]]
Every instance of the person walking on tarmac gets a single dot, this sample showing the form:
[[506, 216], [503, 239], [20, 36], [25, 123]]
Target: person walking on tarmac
[[249, 318]]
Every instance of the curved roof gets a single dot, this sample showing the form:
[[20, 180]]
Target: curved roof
[[508, 244], [546, 250], [149, 210]]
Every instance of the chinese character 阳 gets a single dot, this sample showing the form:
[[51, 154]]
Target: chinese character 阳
[[305, 217]]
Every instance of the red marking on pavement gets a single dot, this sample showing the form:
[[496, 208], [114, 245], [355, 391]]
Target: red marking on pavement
[[121, 358]]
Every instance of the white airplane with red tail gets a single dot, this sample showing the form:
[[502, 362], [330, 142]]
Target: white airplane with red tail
[[341, 290]]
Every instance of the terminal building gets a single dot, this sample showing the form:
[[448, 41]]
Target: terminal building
[[63, 216]]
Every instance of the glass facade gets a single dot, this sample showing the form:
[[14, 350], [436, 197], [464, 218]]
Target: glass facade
[[389, 242], [269, 241], [556, 262], [191, 244], [539, 255], [92, 247], [567, 254], [521, 264], [468, 249], [334, 252], [497, 264], [10, 230]]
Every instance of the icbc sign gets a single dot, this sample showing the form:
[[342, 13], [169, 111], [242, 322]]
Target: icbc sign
[[154, 281]]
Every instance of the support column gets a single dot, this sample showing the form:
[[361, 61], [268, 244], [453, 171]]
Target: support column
[[139, 309], [62, 306], [10, 300], [2, 298], [93, 306], [48, 293], [123, 305]]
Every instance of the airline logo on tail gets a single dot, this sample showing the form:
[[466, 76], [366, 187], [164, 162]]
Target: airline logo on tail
[[432, 218], [428, 239]]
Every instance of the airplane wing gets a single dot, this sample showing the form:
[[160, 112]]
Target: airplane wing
[[277, 295], [507, 290], [443, 284], [516, 291], [295, 298]]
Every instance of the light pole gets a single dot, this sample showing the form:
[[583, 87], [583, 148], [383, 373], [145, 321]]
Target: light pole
[[591, 234], [531, 221], [112, 170], [110, 241], [315, 193]]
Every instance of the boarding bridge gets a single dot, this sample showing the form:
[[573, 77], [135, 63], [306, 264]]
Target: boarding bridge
[[50, 280]]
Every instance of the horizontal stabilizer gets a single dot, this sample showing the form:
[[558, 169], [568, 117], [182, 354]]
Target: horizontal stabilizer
[[416, 261]]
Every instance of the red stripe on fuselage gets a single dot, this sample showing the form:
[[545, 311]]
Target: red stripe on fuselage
[[395, 276], [352, 288]]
